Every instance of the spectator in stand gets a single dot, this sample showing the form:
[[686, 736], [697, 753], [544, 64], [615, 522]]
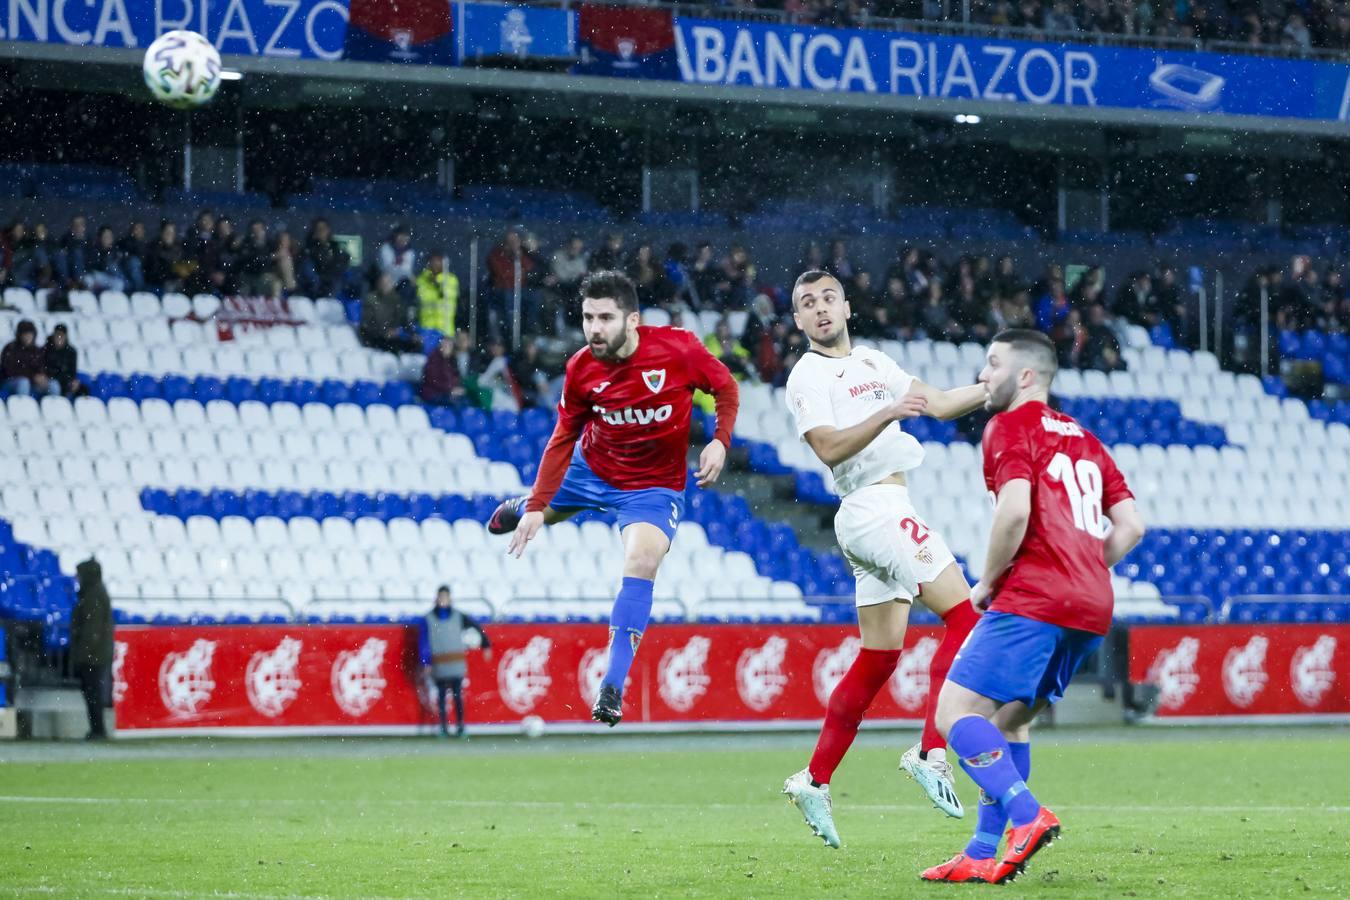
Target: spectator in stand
[[6, 256], [1330, 317], [280, 278], [532, 383], [1295, 33], [398, 259], [466, 358], [1099, 348], [501, 263], [1135, 302], [1088, 289], [678, 278], [723, 345], [611, 256], [705, 278], [738, 273], [498, 381], [60, 363], [839, 265], [104, 271], [970, 310], [437, 295], [935, 316], [323, 263], [1171, 306], [384, 318], [758, 337], [648, 277], [218, 265], [1013, 312], [164, 264], [22, 370], [255, 260], [813, 257], [1052, 315], [33, 252], [1058, 18], [441, 381], [199, 238], [569, 267], [72, 260], [133, 249]]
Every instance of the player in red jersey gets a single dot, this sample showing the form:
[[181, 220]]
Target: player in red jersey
[[627, 395], [1063, 517]]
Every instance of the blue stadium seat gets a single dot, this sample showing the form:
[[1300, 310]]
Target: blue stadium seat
[[238, 389], [257, 504], [444, 418], [271, 390], [222, 503], [301, 391], [206, 388], [364, 393], [333, 392], [158, 501], [398, 393], [188, 502], [108, 385], [176, 387], [143, 387]]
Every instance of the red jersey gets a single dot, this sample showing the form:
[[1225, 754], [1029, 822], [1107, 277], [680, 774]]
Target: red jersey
[[632, 415], [1059, 574]]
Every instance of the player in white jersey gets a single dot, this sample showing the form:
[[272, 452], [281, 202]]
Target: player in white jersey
[[848, 402]]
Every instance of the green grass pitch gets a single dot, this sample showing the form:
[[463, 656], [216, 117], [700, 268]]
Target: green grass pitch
[[1147, 813]]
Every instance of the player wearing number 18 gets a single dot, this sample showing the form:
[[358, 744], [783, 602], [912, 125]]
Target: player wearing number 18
[[1063, 516]]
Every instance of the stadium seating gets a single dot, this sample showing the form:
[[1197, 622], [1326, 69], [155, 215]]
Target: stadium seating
[[255, 439]]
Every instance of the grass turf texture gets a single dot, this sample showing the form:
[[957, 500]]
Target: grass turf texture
[[1147, 813]]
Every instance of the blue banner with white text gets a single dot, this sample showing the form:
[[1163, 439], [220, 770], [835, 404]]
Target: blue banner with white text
[[1024, 72], [650, 43]]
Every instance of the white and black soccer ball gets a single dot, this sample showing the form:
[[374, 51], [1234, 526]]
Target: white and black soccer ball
[[532, 727], [182, 69]]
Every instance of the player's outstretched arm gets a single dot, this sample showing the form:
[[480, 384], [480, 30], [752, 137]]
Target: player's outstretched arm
[[1127, 530], [1012, 512], [952, 404], [712, 375], [834, 445]]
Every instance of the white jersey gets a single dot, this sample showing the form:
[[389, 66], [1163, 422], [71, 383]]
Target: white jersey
[[843, 391]]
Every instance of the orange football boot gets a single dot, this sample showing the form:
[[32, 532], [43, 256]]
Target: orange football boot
[[1025, 840], [961, 869]]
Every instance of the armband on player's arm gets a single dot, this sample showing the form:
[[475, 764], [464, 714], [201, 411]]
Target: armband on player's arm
[[1012, 512], [1127, 530], [952, 404]]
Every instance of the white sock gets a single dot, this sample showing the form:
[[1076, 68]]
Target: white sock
[[937, 755]]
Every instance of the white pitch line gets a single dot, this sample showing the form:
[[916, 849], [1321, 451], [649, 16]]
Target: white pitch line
[[619, 805]]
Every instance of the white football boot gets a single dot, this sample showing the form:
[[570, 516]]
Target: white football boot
[[934, 775], [815, 806]]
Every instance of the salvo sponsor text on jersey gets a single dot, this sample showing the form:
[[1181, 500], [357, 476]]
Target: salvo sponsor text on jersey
[[633, 415]]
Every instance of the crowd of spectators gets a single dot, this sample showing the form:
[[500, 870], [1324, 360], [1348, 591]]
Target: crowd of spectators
[[1301, 25], [211, 257], [408, 294]]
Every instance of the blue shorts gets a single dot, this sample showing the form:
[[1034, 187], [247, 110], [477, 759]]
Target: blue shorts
[[1010, 658], [583, 489]]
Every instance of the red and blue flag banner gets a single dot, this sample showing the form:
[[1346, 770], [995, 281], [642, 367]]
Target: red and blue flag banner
[[623, 42], [404, 31], [1247, 671]]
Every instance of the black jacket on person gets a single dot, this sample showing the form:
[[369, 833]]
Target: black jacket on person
[[91, 622], [60, 363]]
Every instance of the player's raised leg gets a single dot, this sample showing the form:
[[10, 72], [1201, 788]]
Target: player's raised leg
[[948, 595], [644, 546], [882, 626]]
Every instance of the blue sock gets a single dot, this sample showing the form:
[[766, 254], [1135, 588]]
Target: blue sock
[[627, 621], [988, 760], [991, 819]]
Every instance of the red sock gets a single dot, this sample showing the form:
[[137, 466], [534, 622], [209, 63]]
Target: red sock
[[959, 620], [850, 700]]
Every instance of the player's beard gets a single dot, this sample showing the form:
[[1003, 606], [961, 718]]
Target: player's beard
[[1001, 397], [611, 349]]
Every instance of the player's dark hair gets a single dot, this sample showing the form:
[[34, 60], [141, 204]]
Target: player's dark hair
[[810, 276], [614, 285], [1035, 345]]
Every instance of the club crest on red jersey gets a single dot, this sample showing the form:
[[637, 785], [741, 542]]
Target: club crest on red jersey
[[654, 379]]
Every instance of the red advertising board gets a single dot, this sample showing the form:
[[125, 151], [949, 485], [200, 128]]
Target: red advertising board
[[1244, 670], [367, 676]]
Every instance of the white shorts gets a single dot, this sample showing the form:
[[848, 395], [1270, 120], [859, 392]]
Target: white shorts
[[891, 549]]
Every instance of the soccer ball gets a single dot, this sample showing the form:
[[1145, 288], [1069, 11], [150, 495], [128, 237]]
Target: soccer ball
[[182, 69], [532, 727]]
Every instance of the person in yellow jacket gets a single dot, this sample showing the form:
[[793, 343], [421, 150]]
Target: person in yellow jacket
[[437, 295]]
